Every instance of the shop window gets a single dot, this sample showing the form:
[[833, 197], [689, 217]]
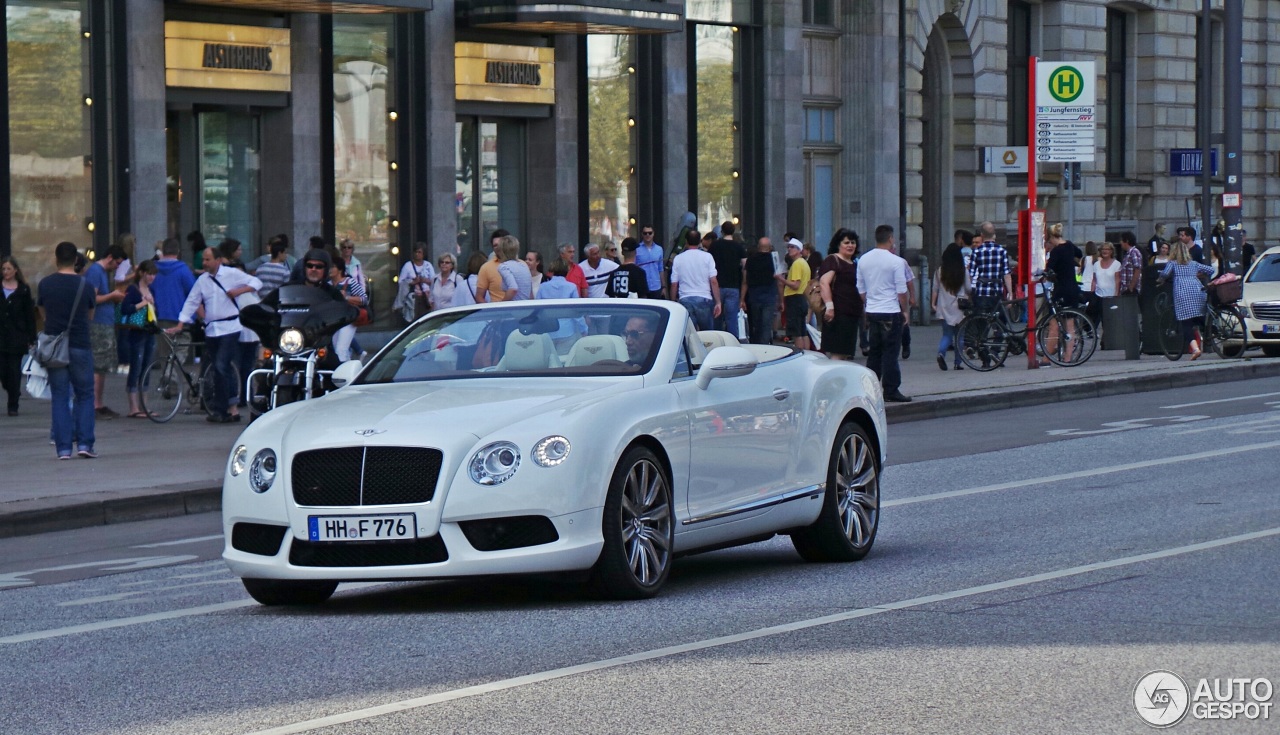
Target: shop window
[[716, 72], [611, 120], [49, 131], [364, 151], [489, 181], [1117, 92]]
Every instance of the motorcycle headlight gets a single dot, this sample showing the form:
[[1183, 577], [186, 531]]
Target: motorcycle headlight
[[291, 341], [551, 451], [494, 463], [263, 471], [238, 459]]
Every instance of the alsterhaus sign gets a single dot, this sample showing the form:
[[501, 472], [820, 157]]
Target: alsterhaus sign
[[495, 72], [219, 56]]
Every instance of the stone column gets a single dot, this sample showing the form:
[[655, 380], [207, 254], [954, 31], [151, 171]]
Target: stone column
[[291, 178], [552, 195], [144, 36], [675, 159], [440, 111], [869, 118], [783, 118]]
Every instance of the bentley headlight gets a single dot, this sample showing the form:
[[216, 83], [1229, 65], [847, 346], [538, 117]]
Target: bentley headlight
[[263, 471], [238, 459], [551, 451], [291, 341], [494, 464]]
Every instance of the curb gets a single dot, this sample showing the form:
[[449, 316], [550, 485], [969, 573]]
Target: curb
[[30, 517], [960, 404]]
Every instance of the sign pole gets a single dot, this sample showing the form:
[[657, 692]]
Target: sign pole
[[1026, 247]]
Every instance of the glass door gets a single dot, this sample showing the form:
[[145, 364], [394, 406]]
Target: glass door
[[229, 169], [489, 180]]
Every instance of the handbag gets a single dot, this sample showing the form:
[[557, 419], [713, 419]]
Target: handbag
[[141, 318], [54, 350], [813, 294]]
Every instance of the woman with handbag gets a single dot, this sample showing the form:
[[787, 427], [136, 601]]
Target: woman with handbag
[[415, 284], [354, 293], [17, 328], [137, 329], [842, 305], [950, 289]]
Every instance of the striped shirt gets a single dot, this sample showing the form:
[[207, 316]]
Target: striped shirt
[[272, 275]]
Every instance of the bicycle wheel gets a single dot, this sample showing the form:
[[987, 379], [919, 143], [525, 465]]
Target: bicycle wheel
[[161, 391], [1170, 334], [1226, 331], [986, 342], [1068, 338], [206, 387]]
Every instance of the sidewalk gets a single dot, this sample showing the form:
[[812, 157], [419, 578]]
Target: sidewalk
[[148, 470]]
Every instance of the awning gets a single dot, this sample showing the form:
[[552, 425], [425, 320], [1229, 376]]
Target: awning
[[322, 6], [575, 16]]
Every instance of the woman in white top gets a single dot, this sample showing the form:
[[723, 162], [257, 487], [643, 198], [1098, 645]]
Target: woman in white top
[[444, 286], [414, 298], [1105, 280], [534, 260], [950, 284], [465, 293], [1086, 266]]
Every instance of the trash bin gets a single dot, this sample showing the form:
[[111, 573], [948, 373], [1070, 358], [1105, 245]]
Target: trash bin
[[1120, 325]]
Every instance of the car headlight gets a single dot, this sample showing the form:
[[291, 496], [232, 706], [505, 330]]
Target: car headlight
[[263, 471], [551, 451], [238, 459], [291, 341], [494, 463]]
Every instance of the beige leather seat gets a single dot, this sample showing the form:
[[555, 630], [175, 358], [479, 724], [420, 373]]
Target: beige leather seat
[[528, 352], [712, 339], [596, 347]]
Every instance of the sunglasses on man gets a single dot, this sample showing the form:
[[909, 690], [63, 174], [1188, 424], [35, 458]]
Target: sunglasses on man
[[315, 266]]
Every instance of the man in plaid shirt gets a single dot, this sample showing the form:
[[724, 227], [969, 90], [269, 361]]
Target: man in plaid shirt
[[1131, 266], [988, 265]]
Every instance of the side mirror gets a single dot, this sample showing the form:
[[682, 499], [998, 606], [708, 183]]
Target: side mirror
[[346, 372], [726, 362]]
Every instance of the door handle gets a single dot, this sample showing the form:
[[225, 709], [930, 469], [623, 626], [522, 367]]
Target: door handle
[[781, 394]]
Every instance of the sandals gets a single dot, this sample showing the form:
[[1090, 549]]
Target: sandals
[[142, 415]]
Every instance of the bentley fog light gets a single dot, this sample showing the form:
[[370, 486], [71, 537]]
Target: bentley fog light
[[551, 451], [238, 459], [494, 464], [263, 471], [291, 342]]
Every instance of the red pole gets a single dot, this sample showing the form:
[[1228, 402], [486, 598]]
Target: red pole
[[1024, 258]]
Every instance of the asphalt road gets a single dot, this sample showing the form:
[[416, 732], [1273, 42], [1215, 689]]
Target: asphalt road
[[1032, 565]]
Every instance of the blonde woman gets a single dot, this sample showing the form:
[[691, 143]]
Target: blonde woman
[[516, 281], [1188, 293]]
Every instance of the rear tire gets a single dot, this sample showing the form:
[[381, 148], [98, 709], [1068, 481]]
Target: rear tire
[[846, 527], [1228, 327], [1171, 336], [161, 391], [986, 342], [638, 528], [206, 388], [288, 592]]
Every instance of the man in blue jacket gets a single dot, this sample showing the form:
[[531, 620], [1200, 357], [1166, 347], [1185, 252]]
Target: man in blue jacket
[[170, 289]]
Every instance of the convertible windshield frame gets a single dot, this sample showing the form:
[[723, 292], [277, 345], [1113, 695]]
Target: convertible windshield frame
[[552, 339]]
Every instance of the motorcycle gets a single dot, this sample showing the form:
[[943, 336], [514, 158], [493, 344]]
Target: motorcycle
[[297, 333]]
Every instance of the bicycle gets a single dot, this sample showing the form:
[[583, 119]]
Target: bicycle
[[166, 383], [1065, 336], [1221, 325]]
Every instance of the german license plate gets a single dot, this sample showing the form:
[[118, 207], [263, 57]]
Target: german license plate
[[1271, 328], [362, 528]]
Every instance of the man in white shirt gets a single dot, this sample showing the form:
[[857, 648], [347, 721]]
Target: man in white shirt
[[216, 290], [694, 284], [883, 285], [596, 269]]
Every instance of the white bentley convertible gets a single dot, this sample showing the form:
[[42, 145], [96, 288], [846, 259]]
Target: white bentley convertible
[[542, 436]]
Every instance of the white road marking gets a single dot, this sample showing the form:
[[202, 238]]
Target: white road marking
[[609, 663], [117, 597], [1079, 474], [1235, 428], [40, 635], [19, 579], [178, 542], [1110, 427], [1222, 400]]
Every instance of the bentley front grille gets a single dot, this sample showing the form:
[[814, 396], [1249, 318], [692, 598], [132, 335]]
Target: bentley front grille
[[353, 476]]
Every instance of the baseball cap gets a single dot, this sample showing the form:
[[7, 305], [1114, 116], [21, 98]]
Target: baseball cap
[[794, 243]]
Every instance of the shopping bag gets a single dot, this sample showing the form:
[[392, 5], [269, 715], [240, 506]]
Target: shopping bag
[[742, 324], [36, 378]]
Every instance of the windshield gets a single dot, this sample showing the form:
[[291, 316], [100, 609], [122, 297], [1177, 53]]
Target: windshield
[[1267, 269], [591, 338]]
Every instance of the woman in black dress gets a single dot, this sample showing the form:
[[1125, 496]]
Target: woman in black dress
[[17, 328], [838, 277]]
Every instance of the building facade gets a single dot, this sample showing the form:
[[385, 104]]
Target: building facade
[[394, 122]]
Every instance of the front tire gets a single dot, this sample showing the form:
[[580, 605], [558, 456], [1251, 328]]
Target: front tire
[[846, 527], [288, 592], [638, 528]]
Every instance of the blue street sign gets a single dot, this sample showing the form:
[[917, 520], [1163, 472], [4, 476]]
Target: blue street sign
[[1186, 161]]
